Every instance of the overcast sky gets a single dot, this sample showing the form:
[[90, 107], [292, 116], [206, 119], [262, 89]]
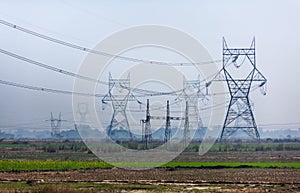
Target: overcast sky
[[274, 23]]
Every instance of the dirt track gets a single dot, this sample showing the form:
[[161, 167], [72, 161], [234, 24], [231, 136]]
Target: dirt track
[[251, 180], [166, 174]]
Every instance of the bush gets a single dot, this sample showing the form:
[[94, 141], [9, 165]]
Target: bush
[[50, 149]]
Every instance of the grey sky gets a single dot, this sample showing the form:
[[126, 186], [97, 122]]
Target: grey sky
[[274, 23]]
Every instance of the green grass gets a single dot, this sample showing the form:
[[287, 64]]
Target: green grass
[[51, 165]]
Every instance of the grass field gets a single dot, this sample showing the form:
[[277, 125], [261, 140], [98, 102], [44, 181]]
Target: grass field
[[69, 166], [74, 155], [51, 165]]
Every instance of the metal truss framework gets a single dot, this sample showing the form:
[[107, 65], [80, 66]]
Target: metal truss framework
[[83, 111], [191, 94], [239, 115], [146, 130], [186, 129], [147, 134], [55, 125], [119, 94]]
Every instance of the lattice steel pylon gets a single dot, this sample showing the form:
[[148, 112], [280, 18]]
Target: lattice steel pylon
[[191, 94], [119, 93], [186, 129], [239, 115], [82, 111], [55, 125], [146, 129], [168, 124]]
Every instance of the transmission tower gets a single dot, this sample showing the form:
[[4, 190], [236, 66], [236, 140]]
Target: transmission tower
[[55, 125], [192, 94], [147, 134], [186, 129], [119, 94], [83, 111], [239, 114], [168, 118], [146, 130], [168, 124]]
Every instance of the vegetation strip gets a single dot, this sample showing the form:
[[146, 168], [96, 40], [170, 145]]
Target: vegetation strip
[[51, 165]]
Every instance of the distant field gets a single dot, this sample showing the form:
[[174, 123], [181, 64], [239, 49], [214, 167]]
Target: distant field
[[29, 155], [51, 165], [69, 166], [77, 151]]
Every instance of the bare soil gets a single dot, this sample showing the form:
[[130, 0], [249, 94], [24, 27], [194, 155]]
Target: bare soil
[[177, 179]]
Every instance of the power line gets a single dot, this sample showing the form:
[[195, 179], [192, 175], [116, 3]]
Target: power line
[[278, 124], [143, 92], [50, 67], [78, 47], [43, 89], [50, 90], [136, 90]]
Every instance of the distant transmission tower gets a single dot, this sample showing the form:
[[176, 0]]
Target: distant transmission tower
[[146, 133], [83, 111], [239, 115], [186, 129], [168, 124], [119, 94], [168, 118], [55, 125], [191, 94]]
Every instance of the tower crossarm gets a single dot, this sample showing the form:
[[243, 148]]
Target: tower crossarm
[[164, 118]]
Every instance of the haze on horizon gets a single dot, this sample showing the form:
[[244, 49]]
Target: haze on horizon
[[274, 23]]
